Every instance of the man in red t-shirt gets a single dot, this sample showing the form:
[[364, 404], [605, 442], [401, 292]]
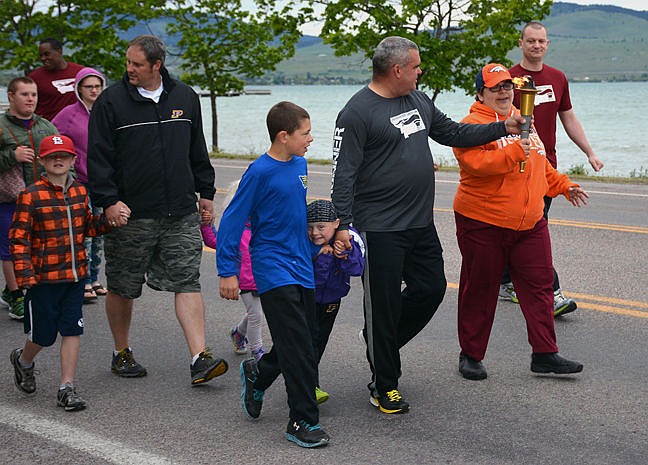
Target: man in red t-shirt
[[551, 100], [55, 79]]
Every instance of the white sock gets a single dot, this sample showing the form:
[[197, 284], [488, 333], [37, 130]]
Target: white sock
[[115, 352]]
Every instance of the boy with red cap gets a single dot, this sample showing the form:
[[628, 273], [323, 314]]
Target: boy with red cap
[[46, 242]]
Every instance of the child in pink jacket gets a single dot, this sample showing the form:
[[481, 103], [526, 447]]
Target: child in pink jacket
[[247, 335]]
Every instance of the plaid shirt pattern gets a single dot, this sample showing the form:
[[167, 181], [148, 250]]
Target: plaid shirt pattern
[[46, 237]]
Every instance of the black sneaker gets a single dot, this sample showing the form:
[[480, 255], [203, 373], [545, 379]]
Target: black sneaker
[[554, 363], [23, 377], [206, 367], [251, 399], [69, 399], [124, 365], [305, 435], [390, 402], [471, 368]]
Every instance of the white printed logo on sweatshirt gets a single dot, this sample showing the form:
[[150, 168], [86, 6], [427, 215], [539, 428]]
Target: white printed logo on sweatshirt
[[64, 85], [545, 95], [408, 123]]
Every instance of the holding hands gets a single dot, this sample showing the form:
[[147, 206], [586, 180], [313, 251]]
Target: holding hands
[[118, 214]]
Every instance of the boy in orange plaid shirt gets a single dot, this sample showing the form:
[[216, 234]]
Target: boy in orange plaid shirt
[[46, 242]]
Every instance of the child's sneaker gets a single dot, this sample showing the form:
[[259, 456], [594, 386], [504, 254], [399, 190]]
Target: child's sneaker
[[258, 353], [321, 396], [251, 399], [305, 435], [23, 377], [238, 341], [206, 367], [69, 399]]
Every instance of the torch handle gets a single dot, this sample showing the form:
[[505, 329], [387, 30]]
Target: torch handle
[[524, 134]]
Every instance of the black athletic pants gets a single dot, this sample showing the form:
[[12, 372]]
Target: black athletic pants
[[393, 317], [290, 314]]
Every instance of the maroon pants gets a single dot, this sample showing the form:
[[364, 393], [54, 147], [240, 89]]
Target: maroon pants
[[486, 250]]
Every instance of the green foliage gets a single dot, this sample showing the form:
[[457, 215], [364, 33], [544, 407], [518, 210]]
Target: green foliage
[[89, 30], [577, 170], [641, 173], [455, 38], [222, 43]]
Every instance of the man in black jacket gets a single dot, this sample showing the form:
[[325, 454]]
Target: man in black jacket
[[146, 149]]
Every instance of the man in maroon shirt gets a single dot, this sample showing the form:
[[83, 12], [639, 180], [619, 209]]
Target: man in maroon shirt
[[552, 100], [55, 79]]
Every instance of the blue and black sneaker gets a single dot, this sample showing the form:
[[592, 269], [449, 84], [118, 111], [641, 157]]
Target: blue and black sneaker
[[305, 435], [251, 398]]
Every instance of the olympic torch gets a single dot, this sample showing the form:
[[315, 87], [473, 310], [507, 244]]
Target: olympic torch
[[528, 91]]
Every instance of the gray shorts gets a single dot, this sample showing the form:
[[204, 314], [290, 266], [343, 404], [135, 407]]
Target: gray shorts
[[164, 253]]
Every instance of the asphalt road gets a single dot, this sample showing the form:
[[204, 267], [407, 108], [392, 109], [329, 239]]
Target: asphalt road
[[513, 417]]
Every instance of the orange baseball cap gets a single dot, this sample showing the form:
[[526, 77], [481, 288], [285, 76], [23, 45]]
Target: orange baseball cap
[[491, 75]]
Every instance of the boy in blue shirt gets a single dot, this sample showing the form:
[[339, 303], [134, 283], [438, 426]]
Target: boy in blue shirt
[[272, 194]]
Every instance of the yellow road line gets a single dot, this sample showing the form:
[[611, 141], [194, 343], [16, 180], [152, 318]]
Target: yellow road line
[[607, 227], [615, 310], [602, 308], [583, 224], [609, 300]]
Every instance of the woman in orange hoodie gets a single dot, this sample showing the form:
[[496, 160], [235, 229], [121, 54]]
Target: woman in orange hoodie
[[499, 219]]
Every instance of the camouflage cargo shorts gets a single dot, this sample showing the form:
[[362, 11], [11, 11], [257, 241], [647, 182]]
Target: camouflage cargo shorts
[[164, 253]]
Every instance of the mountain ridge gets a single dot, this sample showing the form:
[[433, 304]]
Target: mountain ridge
[[588, 42]]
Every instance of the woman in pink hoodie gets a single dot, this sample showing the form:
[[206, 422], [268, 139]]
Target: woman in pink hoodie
[[72, 121]]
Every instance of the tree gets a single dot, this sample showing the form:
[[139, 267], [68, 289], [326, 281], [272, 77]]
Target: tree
[[455, 37], [221, 43], [89, 29]]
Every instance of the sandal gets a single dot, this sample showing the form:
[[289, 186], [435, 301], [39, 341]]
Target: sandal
[[89, 295], [99, 289]]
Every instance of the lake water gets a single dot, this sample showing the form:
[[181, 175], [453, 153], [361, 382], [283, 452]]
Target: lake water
[[613, 115]]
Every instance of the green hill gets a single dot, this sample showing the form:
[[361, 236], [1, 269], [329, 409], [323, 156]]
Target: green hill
[[595, 42]]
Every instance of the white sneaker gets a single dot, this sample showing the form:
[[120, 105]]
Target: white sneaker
[[563, 305], [506, 292]]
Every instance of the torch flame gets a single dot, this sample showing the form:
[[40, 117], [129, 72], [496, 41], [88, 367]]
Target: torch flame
[[523, 82]]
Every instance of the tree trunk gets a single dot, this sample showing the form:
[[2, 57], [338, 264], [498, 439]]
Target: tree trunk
[[214, 115]]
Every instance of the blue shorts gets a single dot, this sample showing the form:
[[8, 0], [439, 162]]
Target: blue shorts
[[6, 216], [51, 309]]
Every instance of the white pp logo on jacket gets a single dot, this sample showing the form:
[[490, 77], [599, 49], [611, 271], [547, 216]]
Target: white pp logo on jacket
[[408, 123]]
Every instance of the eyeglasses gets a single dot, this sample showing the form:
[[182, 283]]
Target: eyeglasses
[[503, 85], [97, 87]]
